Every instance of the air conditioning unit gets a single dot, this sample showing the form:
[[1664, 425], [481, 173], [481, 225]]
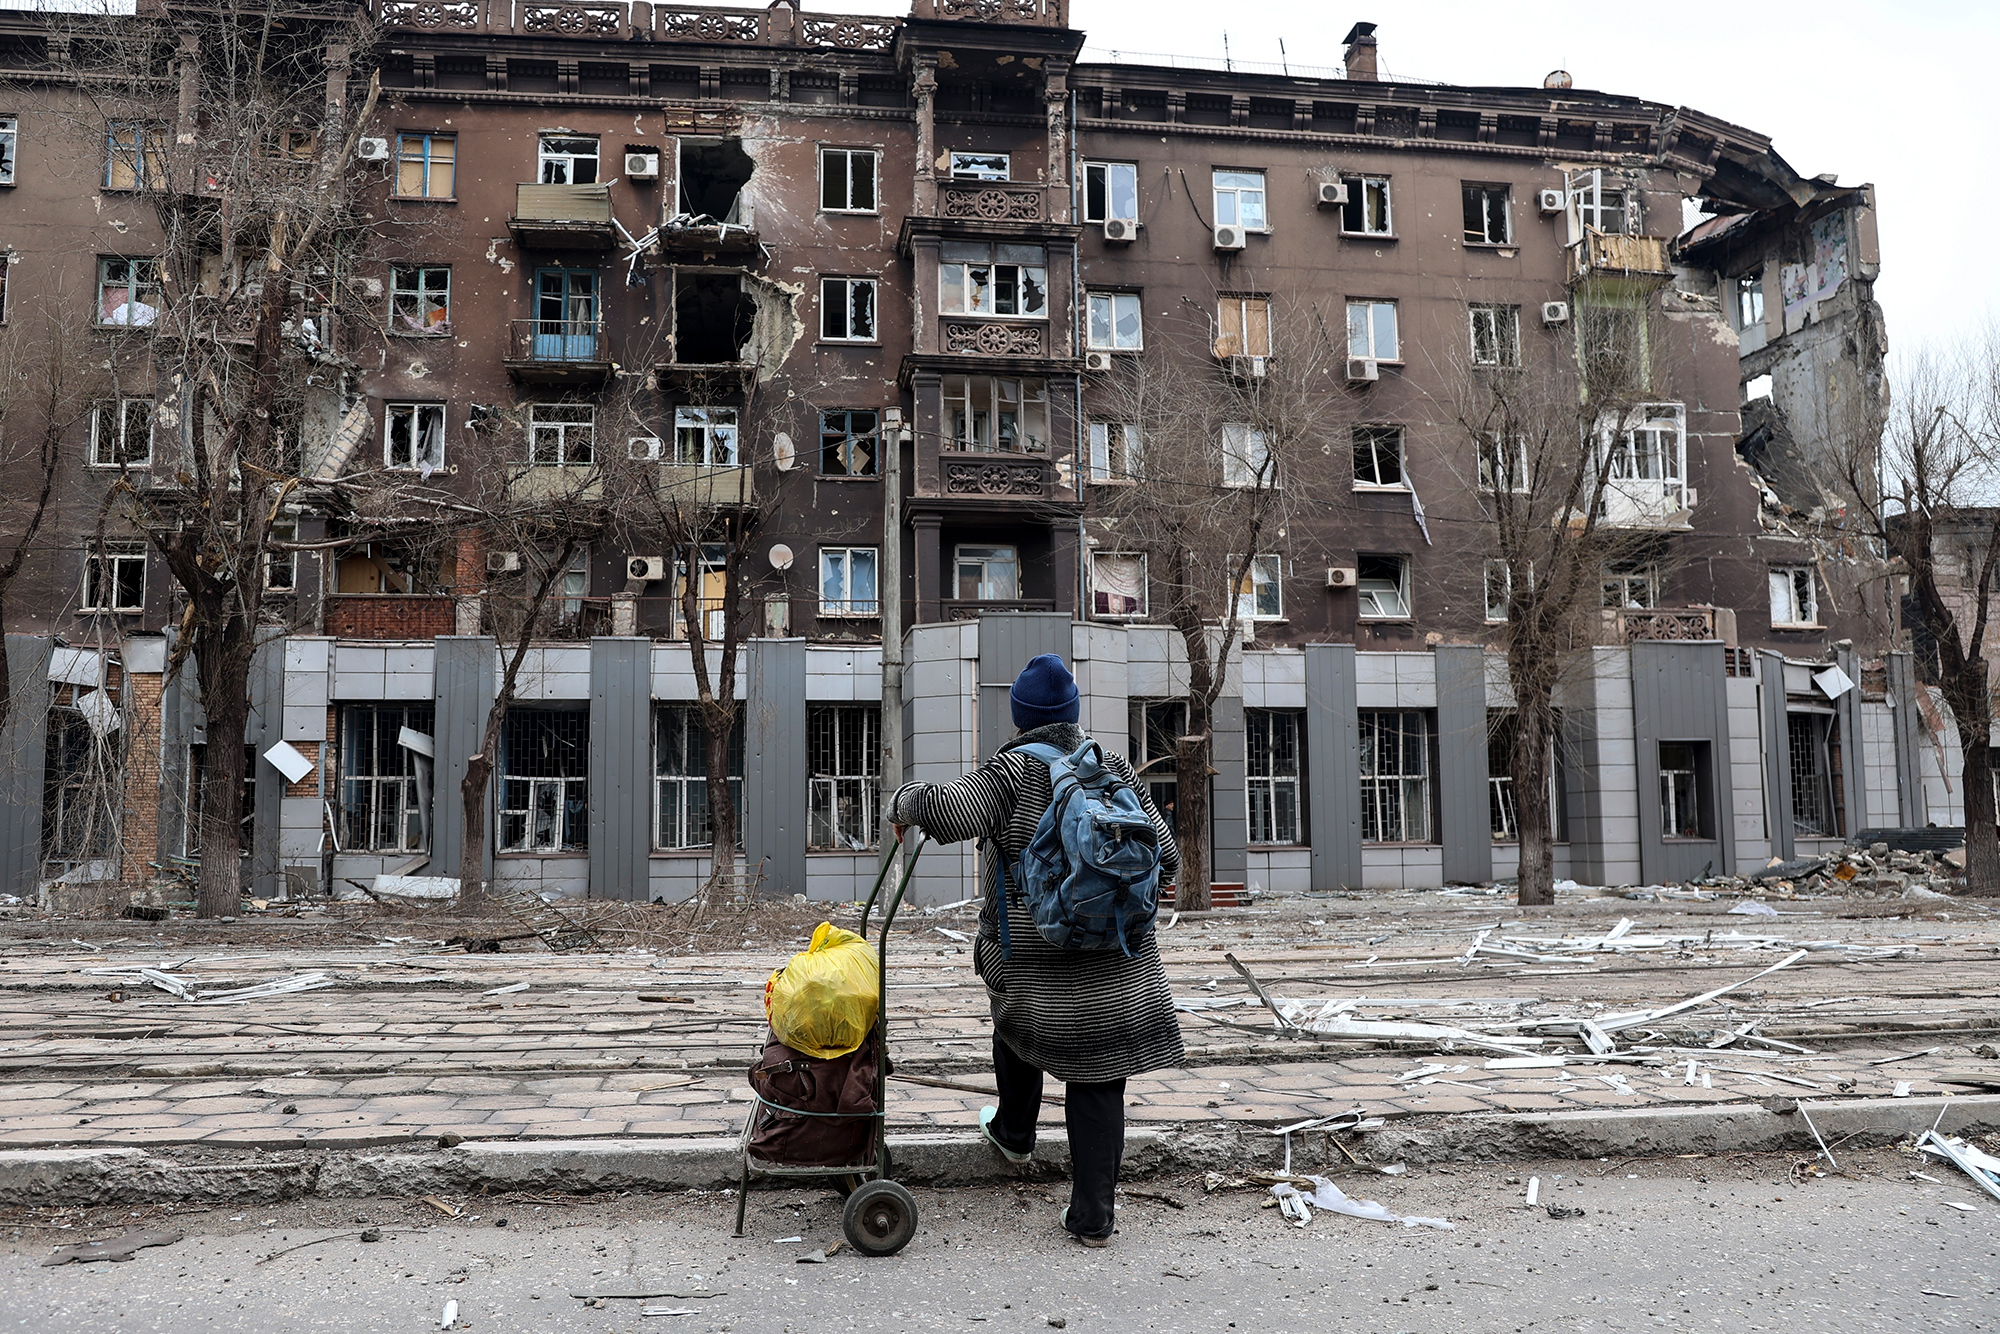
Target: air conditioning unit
[[1362, 370], [1120, 229], [1555, 312], [643, 447], [1332, 194], [642, 166], [1229, 238], [1097, 361], [372, 150], [1549, 201], [646, 569], [1247, 368], [1340, 576], [503, 562]]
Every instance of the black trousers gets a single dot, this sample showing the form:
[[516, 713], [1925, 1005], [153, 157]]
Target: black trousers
[[1095, 1114]]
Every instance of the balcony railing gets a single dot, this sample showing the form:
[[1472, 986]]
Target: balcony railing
[[1032, 13], [558, 351], [621, 20], [1694, 623], [993, 475], [562, 217], [971, 609], [1613, 255], [990, 201], [704, 487], [1647, 502]]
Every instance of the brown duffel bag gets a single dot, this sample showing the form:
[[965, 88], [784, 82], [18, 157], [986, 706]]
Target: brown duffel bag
[[792, 1080]]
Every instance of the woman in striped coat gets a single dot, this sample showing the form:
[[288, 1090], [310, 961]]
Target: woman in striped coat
[[1091, 1018]]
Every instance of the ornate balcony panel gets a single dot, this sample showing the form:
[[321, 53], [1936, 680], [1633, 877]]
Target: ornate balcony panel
[[709, 25], [434, 15], [1039, 13], [570, 18], [849, 33], [1011, 476], [995, 338], [991, 203], [1693, 623]]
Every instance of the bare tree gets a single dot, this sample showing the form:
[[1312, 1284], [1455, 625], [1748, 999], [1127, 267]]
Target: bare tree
[[1231, 425]]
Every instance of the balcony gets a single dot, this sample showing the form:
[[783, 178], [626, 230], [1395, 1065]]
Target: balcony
[[701, 487], [569, 352], [1664, 504], [1676, 623], [990, 476], [554, 484], [1639, 261], [994, 338], [563, 217], [971, 609], [1014, 13], [390, 616], [990, 201]]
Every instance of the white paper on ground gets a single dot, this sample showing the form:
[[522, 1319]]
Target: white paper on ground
[[1325, 1195], [1534, 1190], [1752, 908]]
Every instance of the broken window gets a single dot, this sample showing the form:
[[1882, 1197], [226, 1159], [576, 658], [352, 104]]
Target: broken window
[[1378, 456], [988, 412], [979, 167], [1612, 347], [1750, 300], [1239, 199], [981, 278], [1383, 583], [1684, 782], [680, 769], [1644, 456], [384, 784], [1601, 209], [713, 317], [10, 139], [128, 292], [1261, 594], [281, 568], [1110, 192], [1246, 457], [426, 166], [1633, 585], [847, 180], [847, 310], [1242, 326], [1118, 583], [1794, 596], [1503, 463], [1812, 748], [847, 584], [413, 436], [1366, 212], [387, 567], [1503, 808], [713, 173], [1499, 590], [1152, 728], [1115, 452], [844, 758], [988, 574], [1114, 322], [82, 785], [121, 433], [420, 300], [565, 159], [1371, 331], [114, 578], [711, 593], [543, 787], [707, 436], [197, 801], [561, 434], [1496, 335], [1395, 776], [1486, 220], [135, 156], [1274, 748], [848, 443]]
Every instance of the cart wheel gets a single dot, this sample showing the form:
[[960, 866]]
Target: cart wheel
[[880, 1218], [850, 1182]]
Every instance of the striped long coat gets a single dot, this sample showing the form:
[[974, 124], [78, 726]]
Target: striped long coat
[[1084, 1016]]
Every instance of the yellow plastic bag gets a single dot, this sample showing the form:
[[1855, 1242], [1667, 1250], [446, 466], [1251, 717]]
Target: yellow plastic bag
[[823, 1002]]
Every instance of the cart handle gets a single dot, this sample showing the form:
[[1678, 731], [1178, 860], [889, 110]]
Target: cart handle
[[914, 840]]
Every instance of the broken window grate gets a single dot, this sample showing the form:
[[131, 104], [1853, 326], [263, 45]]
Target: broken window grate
[[1274, 738], [382, 791], [680, 769], [844, 754], [1805, 736], [544, 789], [1395, 776]]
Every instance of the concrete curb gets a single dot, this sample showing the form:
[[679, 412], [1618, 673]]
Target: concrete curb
[[71, 1177]]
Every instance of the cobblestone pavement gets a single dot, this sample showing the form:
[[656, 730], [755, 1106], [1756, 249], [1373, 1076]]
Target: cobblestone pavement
[[411, 1044]]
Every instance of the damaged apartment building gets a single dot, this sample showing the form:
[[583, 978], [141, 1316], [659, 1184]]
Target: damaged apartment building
[[770, 261]]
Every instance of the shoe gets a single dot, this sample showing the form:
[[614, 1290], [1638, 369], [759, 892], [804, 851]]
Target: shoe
[[1095, 1243], [986, 1115]]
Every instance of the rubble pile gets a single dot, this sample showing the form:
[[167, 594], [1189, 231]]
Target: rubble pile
[[1875, 873]]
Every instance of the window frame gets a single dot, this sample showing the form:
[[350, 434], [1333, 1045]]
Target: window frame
[[573, 833], [1698, 791], [1493, 457], [428, 163], [1504, 334], [987, 557], [145, 158], [415, 410], [1506, 590], [691, 784], [712, 431], [1237, 194], [1104, 169], [958, 285], [848, 155], [1629, 574], [1487, 194], [142, 277], [120, 556], [1667, 450], [848, 286], [1113, 299], [563, 161], [1366, 597], [10, 148], [1248, 461], [1273, 785], [1246, 318], [1030, 404], [1414, 791], [849, 442], [1791, 575], [1749, 293], [121, 407], [961, 165], [1368, 306], [1374, 432], [850, 607], [407, 786], [559, 422], [1117, 454], [1145, 599], [421, 294], [1357, 203], [284, 530], [850, 796], [1271, 565]]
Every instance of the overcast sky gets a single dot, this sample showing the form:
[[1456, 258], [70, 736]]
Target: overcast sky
[[1888, 91]]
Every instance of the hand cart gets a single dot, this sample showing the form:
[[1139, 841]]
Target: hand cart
[[880, 1216]]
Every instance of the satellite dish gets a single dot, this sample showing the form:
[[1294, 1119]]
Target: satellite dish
[[783, 453], [781, 557], [1558, 78]]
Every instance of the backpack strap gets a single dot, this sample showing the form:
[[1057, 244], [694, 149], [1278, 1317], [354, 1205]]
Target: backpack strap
[[1005, 887]]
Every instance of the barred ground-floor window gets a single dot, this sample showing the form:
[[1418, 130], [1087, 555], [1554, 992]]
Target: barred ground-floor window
[[844, 755], [384, 784], [544, 787], [1395, 776], [1275, 752], [680, 777]]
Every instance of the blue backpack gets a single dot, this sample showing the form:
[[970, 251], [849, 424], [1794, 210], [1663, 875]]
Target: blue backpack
[[1091, 875]]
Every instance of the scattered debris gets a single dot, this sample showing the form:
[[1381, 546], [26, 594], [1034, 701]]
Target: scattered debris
[[112, 1248], [506, 991], [635, 1288], [1564, 1211], [1297, 1205], [1534, 1190], [448, 1210], [450, 1316], [1982, 1167]]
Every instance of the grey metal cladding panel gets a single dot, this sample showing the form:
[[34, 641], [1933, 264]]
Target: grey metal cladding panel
[[1678, 694], [1333, 767], [1903, 722], [774, 764], [1229, 817], [266, 727], [1583, 801], [464, 688], [1007, 641], [620, 769], [1465, 821], [1853, 767], [1777, 769], [23, 754]]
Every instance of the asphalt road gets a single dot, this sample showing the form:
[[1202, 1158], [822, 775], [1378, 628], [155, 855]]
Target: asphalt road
[[1690, 1244]]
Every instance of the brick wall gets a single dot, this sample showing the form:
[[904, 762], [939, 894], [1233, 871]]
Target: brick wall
[[388, 616]]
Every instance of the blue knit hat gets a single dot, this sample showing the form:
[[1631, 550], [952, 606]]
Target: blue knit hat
[[1043, 693]]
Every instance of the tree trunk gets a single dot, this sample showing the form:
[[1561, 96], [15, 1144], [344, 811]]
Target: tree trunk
[[225, 704], [1529, 768], [1191, 817], [472, 845], [1972, 710], [717, 724]]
